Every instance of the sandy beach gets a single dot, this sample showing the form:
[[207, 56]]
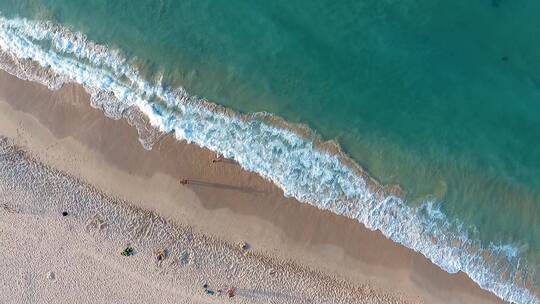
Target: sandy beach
[[297, 253]]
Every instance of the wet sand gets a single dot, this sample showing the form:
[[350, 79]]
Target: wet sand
[[221, 200]]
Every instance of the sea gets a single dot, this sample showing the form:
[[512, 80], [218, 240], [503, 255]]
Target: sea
[[420, 119]]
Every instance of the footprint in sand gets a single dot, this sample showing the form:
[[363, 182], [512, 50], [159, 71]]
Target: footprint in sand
[[185, 258], [96, 223]]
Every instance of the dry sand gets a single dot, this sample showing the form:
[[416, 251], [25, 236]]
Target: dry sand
[[222, 201], [74, 257]]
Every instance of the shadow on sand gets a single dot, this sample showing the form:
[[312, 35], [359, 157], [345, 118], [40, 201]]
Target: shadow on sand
[[192, 182], [270, 295]]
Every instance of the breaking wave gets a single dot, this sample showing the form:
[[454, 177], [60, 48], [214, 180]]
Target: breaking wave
[[298, 162]]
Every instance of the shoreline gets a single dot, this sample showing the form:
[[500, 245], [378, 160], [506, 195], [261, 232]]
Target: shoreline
[[66, 133]]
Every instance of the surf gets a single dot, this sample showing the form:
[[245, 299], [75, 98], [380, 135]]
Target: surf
[[293, 158]]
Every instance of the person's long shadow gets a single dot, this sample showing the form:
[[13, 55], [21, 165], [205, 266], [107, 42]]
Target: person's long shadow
[[220, 186], [224, 161], [269, 295]]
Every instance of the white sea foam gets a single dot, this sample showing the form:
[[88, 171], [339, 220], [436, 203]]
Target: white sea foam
[[292, 161]]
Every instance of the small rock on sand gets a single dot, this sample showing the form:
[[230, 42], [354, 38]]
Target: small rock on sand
[[245, 246], [51, 276], [161, 255]]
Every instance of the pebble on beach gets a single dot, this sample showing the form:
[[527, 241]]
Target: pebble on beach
[[51, 276]]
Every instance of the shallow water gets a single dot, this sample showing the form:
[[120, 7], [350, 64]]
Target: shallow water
[[441, 97]]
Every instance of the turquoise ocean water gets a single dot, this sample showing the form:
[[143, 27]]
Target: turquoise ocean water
[[439, 97]]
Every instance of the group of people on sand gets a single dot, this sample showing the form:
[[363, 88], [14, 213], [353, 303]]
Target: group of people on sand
[[230, 292]]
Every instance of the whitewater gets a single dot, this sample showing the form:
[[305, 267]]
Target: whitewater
[[298, 162]]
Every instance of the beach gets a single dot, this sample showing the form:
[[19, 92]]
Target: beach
[[318, 256]]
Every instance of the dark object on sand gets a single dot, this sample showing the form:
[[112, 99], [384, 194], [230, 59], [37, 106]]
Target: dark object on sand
[[161, 255], [245, 246], [218, 159], [210, 292], [51, 276], [205, 286], [222, 159], [129, 251], [184, 181], [231, 292], [64, 213]]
